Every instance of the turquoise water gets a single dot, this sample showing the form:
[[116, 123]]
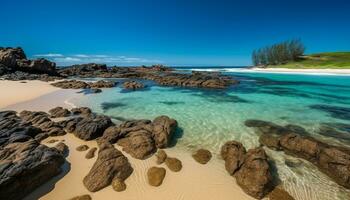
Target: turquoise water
[[209, 118]]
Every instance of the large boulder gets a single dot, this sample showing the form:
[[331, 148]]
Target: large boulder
[[92, 126], [59, 112], [251, 169], [9, 56], [25, 166], [41, 66], [110, 164], [163, 130], [133, 85]]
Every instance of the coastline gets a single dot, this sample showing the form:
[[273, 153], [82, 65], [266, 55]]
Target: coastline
[[176, 185]]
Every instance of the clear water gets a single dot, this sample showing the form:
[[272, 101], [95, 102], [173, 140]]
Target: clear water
[[209, 118]]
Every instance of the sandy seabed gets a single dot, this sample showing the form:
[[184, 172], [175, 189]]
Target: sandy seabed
[[194, 181]]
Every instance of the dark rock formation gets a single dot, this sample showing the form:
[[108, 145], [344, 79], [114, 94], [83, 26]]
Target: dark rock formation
[[102, 84], [82, 70], [173, 164], [91, 127], [59, 112], [202, 156], [15, 60], [25, 166], [251, 169], [140, 138], [110, 164], [334, 161], [133, 85], [62, 148], [156, 176], [71, 84], [81, 111], [82, 197]]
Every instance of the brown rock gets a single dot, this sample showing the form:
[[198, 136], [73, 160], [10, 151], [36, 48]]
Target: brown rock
[[91, 153], [133, 85], [82, 148], [156, 175], [163, 130], [173, 164], [82, 197], [233, 153], [62, 148], [59, 112], [202, 156], [280, 194], [118, 185], [161, 156], [110, 164], [52, 141]]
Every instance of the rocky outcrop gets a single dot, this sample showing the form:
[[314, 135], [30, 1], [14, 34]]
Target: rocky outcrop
[[25, 166], [156, 176], [59, 112], [91, 126], [16, 60], [84, 70], [202, 156], [251, 169], [133, 85], [110, 164], [81, 111], [102, 84], [75, 84], [334, 161], [141, 138]]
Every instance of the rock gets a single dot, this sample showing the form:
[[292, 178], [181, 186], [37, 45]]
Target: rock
[[52, 141], [173, 164], [334, 161], [83, 69], [42, 66], [133, 85], [118, 185], [62, 148], [156, 176], [139, 144], [91, 127], [81, 111], [161, 156], [233, 153], [82, 148], [280, 194], [163, 130], [59, 112], [202, 156], [25, 166], [110, 164], [71, 84], [102, 84], [82, 197], [254, 176], [91, 153], [9, 56], [95, 90]]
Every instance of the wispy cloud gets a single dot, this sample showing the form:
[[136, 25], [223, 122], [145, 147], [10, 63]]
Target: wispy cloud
[[49, 55], [62, 59]]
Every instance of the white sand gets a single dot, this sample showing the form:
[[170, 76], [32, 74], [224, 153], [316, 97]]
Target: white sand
[[304, 71], [194, 181], [13, 92]]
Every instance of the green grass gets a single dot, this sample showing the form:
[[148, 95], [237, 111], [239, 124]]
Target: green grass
[[332, 60]]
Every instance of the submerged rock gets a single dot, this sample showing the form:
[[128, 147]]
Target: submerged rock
[[110, 164], [202, 156], [173, 164], [156, 176], [334, 161]]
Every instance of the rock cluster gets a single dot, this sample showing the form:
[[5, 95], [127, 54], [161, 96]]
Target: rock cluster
[[25, 163], [75, 84], [133, 85], [251, 169], [59, 112], [141, 138], [14, 59], [332, 160]]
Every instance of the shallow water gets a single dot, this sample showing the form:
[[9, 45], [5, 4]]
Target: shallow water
[[209, 118]]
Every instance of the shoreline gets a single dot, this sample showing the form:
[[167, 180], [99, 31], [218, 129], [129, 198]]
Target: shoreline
[[176, 185]]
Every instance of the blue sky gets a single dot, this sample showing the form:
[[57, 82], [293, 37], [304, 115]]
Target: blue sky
[[178, 32]]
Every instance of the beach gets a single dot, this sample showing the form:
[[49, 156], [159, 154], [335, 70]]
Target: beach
[[194, 181]]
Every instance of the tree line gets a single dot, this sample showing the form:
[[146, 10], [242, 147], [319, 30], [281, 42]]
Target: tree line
[[279, 53]]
